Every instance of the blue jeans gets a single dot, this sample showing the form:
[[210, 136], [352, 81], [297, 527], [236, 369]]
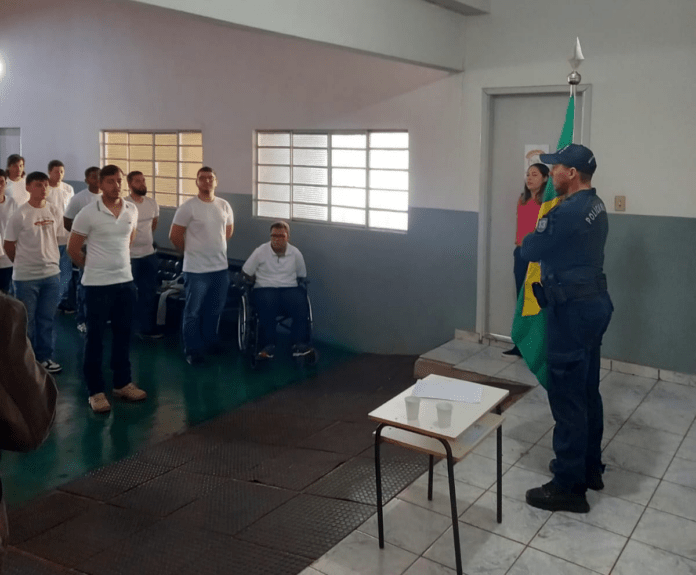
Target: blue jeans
[[81, 305], [65, 265], [114, 302], [145, 279], [205, 299], [269, 303], [574, 337], [41, 298]]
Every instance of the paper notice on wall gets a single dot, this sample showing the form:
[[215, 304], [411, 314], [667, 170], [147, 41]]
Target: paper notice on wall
[[531, 154], [440, 387]]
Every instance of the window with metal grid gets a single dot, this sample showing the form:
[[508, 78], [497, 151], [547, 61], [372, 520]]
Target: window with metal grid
[[169, 160], [347, 178]]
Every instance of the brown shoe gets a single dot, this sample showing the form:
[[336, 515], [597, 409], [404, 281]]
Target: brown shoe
[[130, 392], [99, 403]]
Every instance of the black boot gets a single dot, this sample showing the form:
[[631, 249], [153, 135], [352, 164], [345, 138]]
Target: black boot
[[552, 498], [513, 351]]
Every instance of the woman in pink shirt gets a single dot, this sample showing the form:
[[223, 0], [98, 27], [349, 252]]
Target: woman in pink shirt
[[527, 213]]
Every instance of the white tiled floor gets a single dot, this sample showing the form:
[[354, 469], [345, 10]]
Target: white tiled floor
[[642, 523]]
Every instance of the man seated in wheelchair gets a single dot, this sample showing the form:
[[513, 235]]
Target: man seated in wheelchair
[[276, 267]]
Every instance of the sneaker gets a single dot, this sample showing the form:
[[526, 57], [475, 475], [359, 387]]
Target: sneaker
[[267, 352], [151, 335], [513, 351], [301, 349], [51, 366], [130, 392], [593, 480], [65, 309], [99, 403], [552, 498], [82, 327], [194, 359]]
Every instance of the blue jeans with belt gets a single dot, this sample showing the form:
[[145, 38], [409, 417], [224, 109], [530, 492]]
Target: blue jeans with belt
[[41, 298], [574, 336], [206, 294]]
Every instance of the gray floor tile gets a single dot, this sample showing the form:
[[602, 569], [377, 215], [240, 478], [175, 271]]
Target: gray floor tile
[[682, 471], [517, 481], [535, 562], [649, 438], [528, 430], [647, 560], [668, 532], [474, 469], [610, 513], [417, 493], [629, 485], [688, 449], [513, 449], [426, 567], [537, 459], [637, 459], [675, 499]]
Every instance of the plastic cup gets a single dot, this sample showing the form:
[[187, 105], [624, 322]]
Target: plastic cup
[[444, 414], [412, 406]]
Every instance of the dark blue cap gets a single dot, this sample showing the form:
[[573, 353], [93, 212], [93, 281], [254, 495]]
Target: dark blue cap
[[574, 156]]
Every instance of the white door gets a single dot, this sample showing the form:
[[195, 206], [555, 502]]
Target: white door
[[516, 121]]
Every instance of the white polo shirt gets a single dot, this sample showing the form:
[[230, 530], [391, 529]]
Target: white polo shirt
[[108, 242], [79, 201], [59, 197], [148, 210], [17, 191], [36, 250], [7, 209], [206, 240], [273, 270]]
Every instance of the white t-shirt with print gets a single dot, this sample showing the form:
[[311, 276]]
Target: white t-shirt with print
[[108, 242], [148, 210], [79, 201], [17, 191], [60, 196], [7, 208], [206, 240], [273, 270], [36, 249]]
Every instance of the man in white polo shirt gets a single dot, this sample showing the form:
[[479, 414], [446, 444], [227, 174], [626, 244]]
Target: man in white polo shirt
[[77, 202], [201, 228], [16, 183], [143, 256], [7, 207], [108, 226], [59, 194], [31, 243], [276, 266]]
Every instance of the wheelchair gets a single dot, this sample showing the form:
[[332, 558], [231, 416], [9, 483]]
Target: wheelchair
[[248, 325]]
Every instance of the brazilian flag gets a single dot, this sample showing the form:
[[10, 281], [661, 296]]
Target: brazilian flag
[[529, 323]]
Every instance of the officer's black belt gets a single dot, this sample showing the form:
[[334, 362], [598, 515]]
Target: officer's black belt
[[552, 293]]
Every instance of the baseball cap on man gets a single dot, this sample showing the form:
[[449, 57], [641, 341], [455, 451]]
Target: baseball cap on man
[[574, 156]]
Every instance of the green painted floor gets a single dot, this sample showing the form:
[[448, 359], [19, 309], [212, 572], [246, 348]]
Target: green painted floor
[[179, 396]]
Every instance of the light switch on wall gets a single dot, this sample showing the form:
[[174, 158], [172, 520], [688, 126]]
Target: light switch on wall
[[620, 203]]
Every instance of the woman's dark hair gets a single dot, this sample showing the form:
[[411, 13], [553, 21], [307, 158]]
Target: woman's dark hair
[[527, 194]]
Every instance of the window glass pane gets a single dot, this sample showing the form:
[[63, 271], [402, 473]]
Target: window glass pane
[[348, 216], [166, 185], [349, 158], [144, 167], [167, 169], [349, 141], [167, 200], [273, 139], [191, 154], [389, 180], [317, 176], [274, 174], [274, 192], [189, 187], [353, 197], [140, 139], [116, 137], [167, 153], [191, 139], [274, 156], [165, 139], [352, 178], [389, 140], [116, 151], [189, 170], [310, 194], [309, 212], [389, 159], [140, 152], [273, 210], [389, 220], [148, 182], [389, 200], [310, 140], [310, 157]]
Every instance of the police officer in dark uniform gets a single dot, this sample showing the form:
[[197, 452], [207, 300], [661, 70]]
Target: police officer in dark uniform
[[569, 244]]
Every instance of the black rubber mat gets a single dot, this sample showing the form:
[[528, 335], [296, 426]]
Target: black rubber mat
[[297, 468], [232, 506], [178, 450], [233, 459], [16, 563], [110, 481], [307, 525], [349, 438]]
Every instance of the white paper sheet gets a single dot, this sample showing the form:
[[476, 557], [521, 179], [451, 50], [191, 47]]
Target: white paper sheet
[[440, 387]]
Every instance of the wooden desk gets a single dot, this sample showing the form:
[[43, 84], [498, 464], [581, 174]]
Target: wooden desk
[[471, 424]]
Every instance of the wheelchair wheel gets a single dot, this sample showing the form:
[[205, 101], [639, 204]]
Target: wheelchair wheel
[[244, 325]]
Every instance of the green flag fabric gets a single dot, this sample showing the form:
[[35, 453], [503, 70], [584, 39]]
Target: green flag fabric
[[529, 323]]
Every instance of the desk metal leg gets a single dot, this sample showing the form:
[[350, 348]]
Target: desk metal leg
[[499, 462], [378, 475], [453, 501], [430, 479]]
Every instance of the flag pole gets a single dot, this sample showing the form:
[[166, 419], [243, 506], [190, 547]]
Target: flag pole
[[574, 78]]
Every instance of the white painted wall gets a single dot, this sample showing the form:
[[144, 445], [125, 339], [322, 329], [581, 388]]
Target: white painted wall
[[409, 30], [640, 60]]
